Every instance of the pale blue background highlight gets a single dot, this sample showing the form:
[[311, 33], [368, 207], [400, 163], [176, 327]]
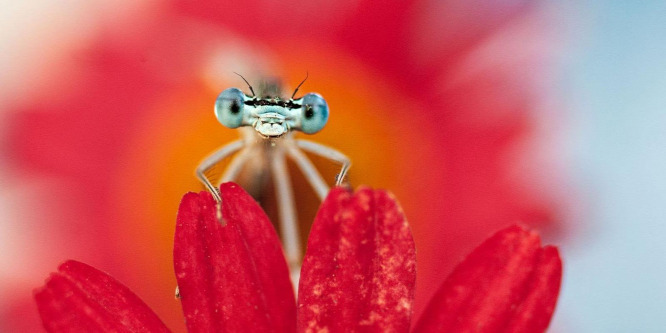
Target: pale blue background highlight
[[615, 269]]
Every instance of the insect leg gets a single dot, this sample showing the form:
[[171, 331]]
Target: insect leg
[[330, 153], [212, 160], [309, 171], [291, 240]]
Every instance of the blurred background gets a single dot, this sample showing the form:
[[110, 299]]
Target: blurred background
[[476, 114]]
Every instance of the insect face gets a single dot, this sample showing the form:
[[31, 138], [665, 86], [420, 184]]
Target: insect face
[[271, 117]]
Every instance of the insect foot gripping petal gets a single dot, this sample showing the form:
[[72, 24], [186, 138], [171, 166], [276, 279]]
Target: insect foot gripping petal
[[217, 195], [218, 213]]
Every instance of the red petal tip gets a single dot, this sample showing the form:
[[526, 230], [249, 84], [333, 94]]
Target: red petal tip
[[359, 268], [81, 298], [232, 277], [507, 284]]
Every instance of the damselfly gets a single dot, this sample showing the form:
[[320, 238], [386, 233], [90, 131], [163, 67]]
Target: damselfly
[[267, 122]]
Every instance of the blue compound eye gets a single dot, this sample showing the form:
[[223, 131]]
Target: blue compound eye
[[229, 107], [314, 113]]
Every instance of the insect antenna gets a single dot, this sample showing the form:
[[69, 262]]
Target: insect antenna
[[248, 84], [299, 85]]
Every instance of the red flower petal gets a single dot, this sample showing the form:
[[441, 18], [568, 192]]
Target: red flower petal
[[80, 298], [507, 284], [359, 268], [233, 277]]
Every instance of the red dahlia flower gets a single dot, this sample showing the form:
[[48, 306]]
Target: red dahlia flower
[[358, 275]]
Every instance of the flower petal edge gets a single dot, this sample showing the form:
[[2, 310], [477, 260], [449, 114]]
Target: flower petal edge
[[81, 298], [232, 277], [509, 283]]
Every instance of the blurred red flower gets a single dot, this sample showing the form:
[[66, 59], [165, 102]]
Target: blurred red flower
[[436, 100], [358, 274]]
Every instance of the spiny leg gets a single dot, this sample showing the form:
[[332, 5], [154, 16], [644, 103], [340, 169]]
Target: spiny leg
[[291, 240], [309, 171], [212, 160], [329, 153]]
